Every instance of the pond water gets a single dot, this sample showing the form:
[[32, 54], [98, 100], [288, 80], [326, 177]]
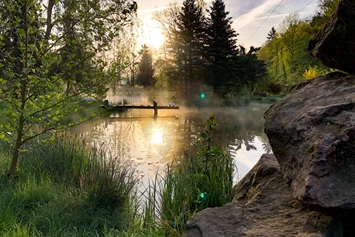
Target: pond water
[[152, 143]]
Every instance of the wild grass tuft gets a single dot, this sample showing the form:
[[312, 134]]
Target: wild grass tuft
[[199, 179], [65, 189]]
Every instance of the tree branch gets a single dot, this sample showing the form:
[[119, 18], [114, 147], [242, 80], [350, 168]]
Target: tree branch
[[36, 135]]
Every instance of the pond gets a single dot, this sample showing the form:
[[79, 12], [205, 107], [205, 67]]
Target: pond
[[152, 143]]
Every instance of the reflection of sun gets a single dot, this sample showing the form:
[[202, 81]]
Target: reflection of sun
[[151, 35], [157, 137]]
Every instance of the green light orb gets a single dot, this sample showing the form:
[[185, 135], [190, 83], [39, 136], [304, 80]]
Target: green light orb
[[202, 95], [202, 195]]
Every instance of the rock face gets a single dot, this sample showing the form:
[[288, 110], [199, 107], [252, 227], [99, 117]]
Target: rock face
[[312, 134], [335, 44], [309, 188], [263, 205]]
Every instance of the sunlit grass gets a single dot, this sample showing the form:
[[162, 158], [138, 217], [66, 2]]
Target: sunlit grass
[[64, 189], [199, 179]]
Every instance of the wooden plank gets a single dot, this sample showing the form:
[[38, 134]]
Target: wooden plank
[[123, 107]]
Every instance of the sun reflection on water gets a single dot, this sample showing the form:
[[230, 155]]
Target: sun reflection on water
[[157, 137]]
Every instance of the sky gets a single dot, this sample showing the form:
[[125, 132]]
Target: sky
[[252, 19]]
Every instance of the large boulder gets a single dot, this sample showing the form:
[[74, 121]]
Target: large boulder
[[263, 205], [335, 44], [312, 134]]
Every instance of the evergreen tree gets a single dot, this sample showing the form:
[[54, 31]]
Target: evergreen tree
[[146, 71], [221, 48], [190, 34], [252, 69], [272, 34]]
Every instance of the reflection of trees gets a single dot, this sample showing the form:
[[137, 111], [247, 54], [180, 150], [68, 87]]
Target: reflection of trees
[[266, 145], [240, 127], [235, 128]]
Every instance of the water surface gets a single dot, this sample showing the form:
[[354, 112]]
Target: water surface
[[151, 143]]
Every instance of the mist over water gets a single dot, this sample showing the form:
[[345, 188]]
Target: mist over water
[[151, 143]]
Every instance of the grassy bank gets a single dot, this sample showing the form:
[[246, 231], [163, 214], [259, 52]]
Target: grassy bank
[[62, 188]]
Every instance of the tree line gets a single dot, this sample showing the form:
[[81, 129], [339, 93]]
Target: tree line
[[200, 49]]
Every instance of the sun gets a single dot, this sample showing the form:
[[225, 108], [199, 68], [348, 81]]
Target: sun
[[151, 35]]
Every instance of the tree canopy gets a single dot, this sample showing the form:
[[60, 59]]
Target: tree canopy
[[285, 51], [50, 57]]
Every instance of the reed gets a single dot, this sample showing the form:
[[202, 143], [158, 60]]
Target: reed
[[65, 189], [201, 178]]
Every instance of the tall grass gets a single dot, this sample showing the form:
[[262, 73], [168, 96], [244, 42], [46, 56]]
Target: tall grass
[[199, 179], [64, 189]]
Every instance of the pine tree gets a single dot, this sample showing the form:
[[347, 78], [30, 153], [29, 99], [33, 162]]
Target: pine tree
[[190, 44], [221, 48], [146, 71], [272, 34], [252, 68]]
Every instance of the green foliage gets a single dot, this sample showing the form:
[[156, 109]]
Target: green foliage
[[326, 10], [48, 62], [313, 72], [252, 70], [163, 73], [286, 56], [201, 50], [272, 34], [64, 189], [189, 52], [200, 179]]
